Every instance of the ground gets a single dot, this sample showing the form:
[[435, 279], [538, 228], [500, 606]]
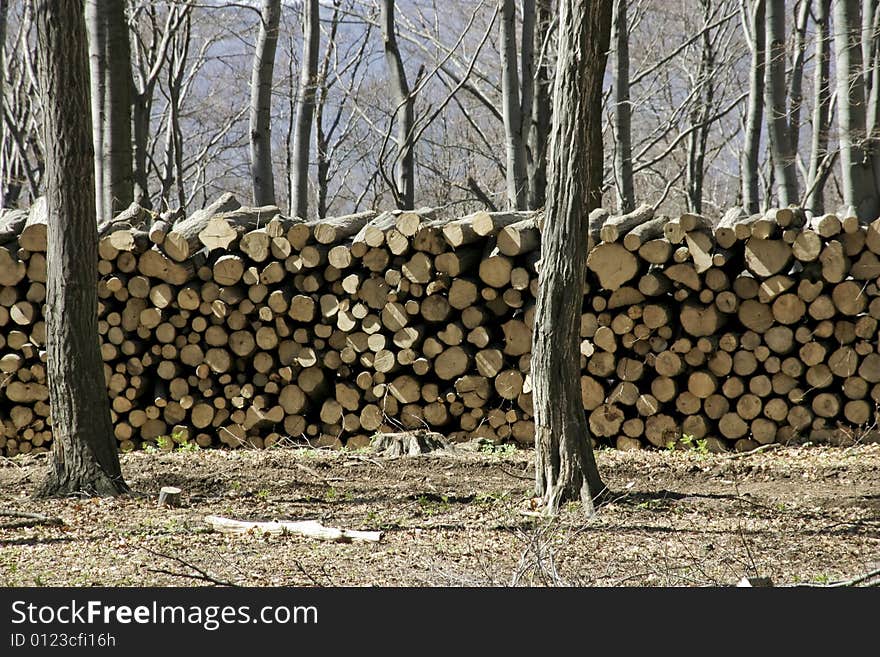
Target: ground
[[807, 514]]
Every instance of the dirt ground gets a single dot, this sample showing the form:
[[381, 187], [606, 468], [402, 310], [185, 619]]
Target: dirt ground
[[798, 515]]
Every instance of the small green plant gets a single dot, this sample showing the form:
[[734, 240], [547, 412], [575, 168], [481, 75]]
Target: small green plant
[[687, 441], [504, 449], [177, 441]]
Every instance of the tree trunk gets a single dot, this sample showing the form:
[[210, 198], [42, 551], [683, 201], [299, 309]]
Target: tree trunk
[[110, 62], [857, 174], [623, 169], [97, 40], [305, 111], [565, 467], [262, 177], [779, 137], [700, 123], [755, 111], [84, 447], [819, 169], [118, 191], [539, 134], [517, 188], [404, 168]]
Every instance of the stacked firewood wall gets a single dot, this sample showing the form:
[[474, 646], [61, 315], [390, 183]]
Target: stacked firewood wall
[[238, 326]]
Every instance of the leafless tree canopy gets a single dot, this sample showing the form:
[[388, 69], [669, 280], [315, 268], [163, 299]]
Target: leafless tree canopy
[[707, 104]]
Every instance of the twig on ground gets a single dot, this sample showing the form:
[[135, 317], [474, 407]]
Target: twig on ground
[[866, 577], [758, 450], [201, 575], [30, 519]]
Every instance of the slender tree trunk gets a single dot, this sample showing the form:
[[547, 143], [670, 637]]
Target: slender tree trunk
[[97, 44], [539, 134], [118, 181], [110, 65], [565, 467], [527, 92], [750, 165], [857, 171], [796, 79], [871, 45], [817, 174], [141, 136], [305, 110], [784, 164], [322, 138], [404, 177], [84, 457], [623, 168], [517, 184], [699, 137], [262, 178]]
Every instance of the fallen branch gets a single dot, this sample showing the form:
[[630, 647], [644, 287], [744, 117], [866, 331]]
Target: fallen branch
[[310, 528], [200, 575], [867, 577], [30, 519], [751, 452]]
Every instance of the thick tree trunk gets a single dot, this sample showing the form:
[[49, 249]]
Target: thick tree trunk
[[623, 168], [262, 178], [565, 467], [305, 111], [517, 187], [784, 165], [819, 169], [84, 453], [755, 112], [539, 134], [404, 176]]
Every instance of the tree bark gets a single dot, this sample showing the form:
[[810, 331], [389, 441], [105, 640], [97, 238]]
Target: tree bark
[[110, 62], [857, 175], [517, 184], [565, 465], [778, 133], [262, 178], [623, 168], [305, 111], [539, 133], [404, 168], [700, 123], [755, 112], [84, 447], [819, 169]]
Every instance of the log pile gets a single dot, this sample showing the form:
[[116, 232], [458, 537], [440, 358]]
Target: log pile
[[238, 326]]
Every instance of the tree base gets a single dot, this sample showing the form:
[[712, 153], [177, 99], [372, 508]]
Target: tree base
[[91, 484]]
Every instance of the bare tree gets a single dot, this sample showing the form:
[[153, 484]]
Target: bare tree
[[404, 177], [778, 128], [262, 177], [857, 170], [84, 456], [539, 133], [623, 168], [110, 64], [517, 183], [820, 157], [753, 20], [305, 110], [565, 467]]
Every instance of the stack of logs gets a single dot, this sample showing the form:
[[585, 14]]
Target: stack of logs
[[238, 326]]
